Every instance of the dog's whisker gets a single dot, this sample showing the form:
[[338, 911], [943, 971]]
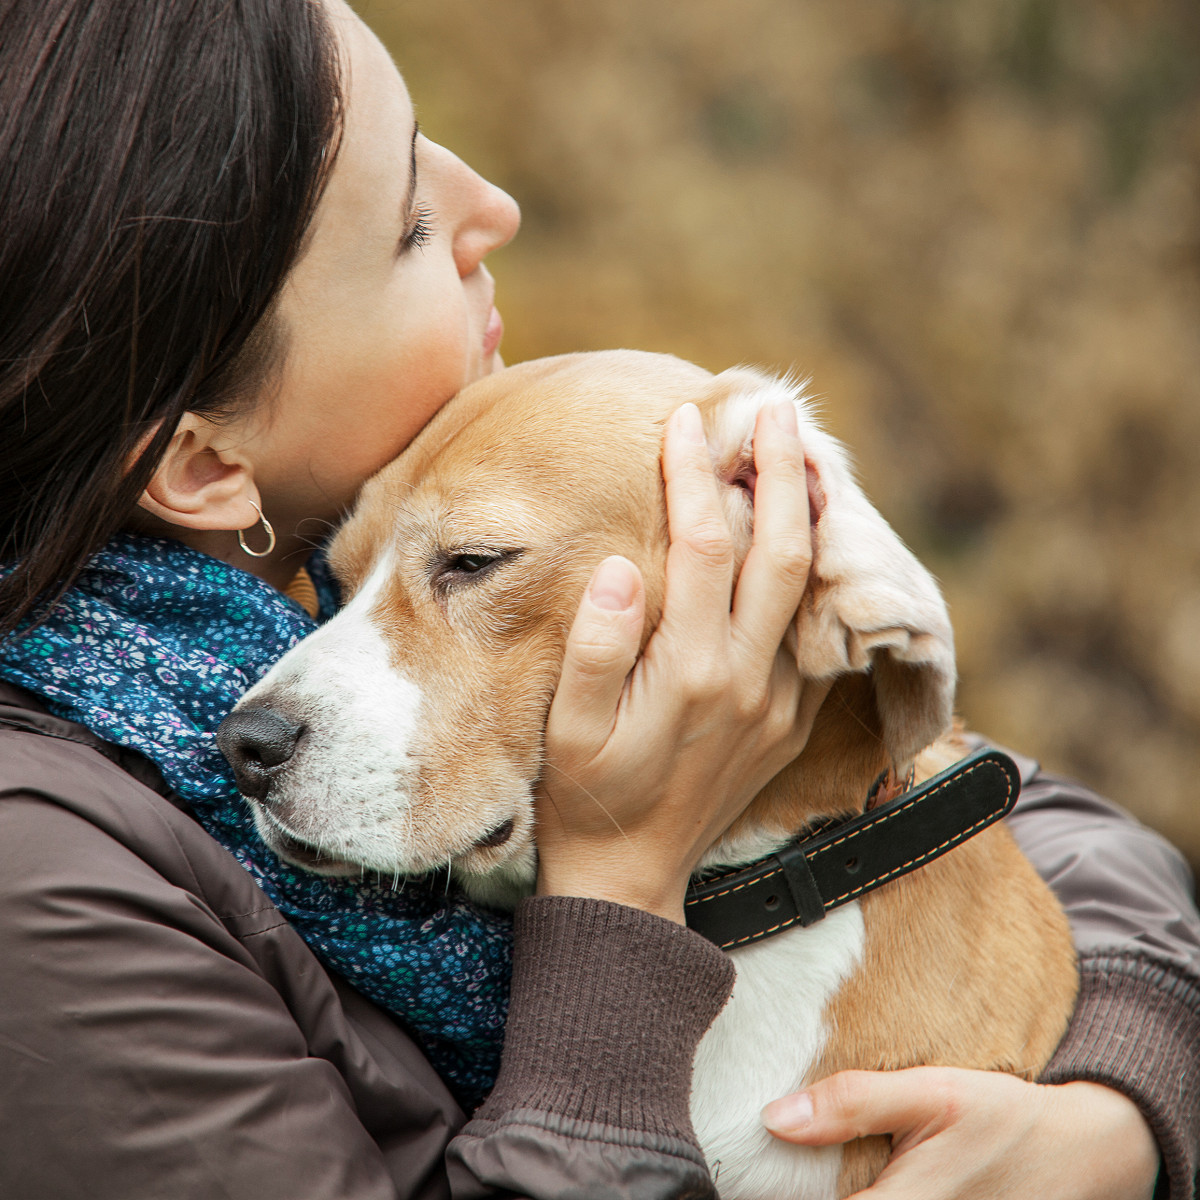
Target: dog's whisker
[[872, 733], [591, 797], [550, 796]]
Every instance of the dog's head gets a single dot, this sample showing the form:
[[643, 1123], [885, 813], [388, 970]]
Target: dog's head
[[406, 734]]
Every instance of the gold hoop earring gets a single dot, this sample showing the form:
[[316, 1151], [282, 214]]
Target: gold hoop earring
[[270, 535]]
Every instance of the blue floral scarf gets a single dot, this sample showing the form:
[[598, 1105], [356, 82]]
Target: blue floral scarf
[[150, 650]]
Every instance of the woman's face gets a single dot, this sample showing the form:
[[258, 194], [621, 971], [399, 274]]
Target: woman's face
[[390, 311]]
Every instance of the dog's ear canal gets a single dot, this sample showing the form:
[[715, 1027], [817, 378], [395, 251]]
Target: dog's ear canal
[[741, 473], [730, 411]]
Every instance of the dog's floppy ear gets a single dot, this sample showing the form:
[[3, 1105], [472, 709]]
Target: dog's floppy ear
[[870, 605]]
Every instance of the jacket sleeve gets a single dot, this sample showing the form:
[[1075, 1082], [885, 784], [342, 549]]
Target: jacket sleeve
[[608, 1007], [1128, 895]]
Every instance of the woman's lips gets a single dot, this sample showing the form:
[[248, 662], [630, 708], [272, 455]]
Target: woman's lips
[[493, 333]]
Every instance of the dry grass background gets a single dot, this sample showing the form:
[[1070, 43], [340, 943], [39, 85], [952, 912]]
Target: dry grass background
[[975, 223]]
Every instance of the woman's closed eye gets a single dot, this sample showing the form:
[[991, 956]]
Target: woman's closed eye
[[419, 231]]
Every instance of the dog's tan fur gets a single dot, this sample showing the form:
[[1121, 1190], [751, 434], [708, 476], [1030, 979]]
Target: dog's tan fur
[[968, 961]]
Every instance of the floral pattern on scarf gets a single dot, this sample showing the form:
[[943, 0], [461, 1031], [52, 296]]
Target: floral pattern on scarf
[[150, 650]]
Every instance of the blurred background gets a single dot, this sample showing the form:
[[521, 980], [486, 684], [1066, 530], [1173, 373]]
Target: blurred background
[[974, 223]]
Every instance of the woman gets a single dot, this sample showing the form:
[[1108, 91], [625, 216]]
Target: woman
[[238, 281]]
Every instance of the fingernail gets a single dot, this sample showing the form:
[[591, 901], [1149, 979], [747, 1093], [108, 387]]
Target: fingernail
[[687, 418], [790, 1114], [784, 415], [613, 585]]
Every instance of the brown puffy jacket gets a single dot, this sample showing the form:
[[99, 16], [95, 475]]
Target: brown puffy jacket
[[164, 1033]]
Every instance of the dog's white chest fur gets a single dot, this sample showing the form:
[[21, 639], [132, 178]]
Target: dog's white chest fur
[[763, 1046]]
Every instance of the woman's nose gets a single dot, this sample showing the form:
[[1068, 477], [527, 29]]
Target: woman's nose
[[490, 220]]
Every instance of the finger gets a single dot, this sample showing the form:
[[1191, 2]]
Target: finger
[[905, 1186], [699, 579], [775, 574], [602, 648], [854, 1104]]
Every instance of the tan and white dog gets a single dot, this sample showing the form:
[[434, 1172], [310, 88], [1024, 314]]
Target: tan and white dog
[[416, 719]]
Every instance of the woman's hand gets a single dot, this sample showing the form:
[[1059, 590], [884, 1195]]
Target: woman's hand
[[648, 764], [979, 1135]]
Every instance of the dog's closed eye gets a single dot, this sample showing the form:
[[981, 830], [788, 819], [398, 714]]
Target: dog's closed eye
[[467, 565]]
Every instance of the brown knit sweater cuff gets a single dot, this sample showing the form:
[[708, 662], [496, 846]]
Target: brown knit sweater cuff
[[1136, 1028], [608, 1006]]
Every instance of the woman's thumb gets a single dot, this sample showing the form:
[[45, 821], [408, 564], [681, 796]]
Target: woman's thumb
[[602, 648]]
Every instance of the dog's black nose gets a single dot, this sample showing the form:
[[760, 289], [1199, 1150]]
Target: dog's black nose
[[256, 742]]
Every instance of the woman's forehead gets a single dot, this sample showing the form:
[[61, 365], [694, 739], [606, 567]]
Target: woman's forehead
[[376, 97], [364, 206]]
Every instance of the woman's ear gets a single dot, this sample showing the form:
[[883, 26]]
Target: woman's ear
[[200, 484]]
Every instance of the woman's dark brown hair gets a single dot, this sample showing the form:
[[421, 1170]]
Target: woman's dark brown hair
[[160, 162]]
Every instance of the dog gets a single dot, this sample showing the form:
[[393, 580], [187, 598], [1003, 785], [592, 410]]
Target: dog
[[416, 719]]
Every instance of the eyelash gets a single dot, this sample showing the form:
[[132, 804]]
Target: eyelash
[[421, 231]]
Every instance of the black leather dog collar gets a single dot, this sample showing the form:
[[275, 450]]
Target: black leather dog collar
[[799, 884]]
